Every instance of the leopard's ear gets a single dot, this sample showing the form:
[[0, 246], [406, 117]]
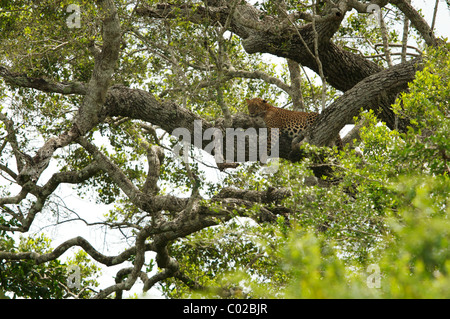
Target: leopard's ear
[[264, 101]]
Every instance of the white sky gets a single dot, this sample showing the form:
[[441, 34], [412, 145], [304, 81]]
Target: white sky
[[112, 243]]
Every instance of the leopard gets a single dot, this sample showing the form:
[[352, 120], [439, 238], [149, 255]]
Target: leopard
[[288, 122], [292, 123]]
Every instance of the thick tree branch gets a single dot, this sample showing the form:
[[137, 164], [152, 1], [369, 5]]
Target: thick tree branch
[[141, 105], [363, 96], [105, 62], [342, 69], [61, 249], [95, 97]]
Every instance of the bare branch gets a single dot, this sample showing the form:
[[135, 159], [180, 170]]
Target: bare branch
[[113, 171], [417, 21], [21, 158], [296, 85], [258, 75], [385, 38], [405, 36], [42, 84]]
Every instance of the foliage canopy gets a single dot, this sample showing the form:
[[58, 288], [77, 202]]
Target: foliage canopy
[[91, 101]]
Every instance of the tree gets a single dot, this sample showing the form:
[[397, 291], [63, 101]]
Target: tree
[[92, 94]]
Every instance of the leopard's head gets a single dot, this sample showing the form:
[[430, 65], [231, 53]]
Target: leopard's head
[[257, 107]]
